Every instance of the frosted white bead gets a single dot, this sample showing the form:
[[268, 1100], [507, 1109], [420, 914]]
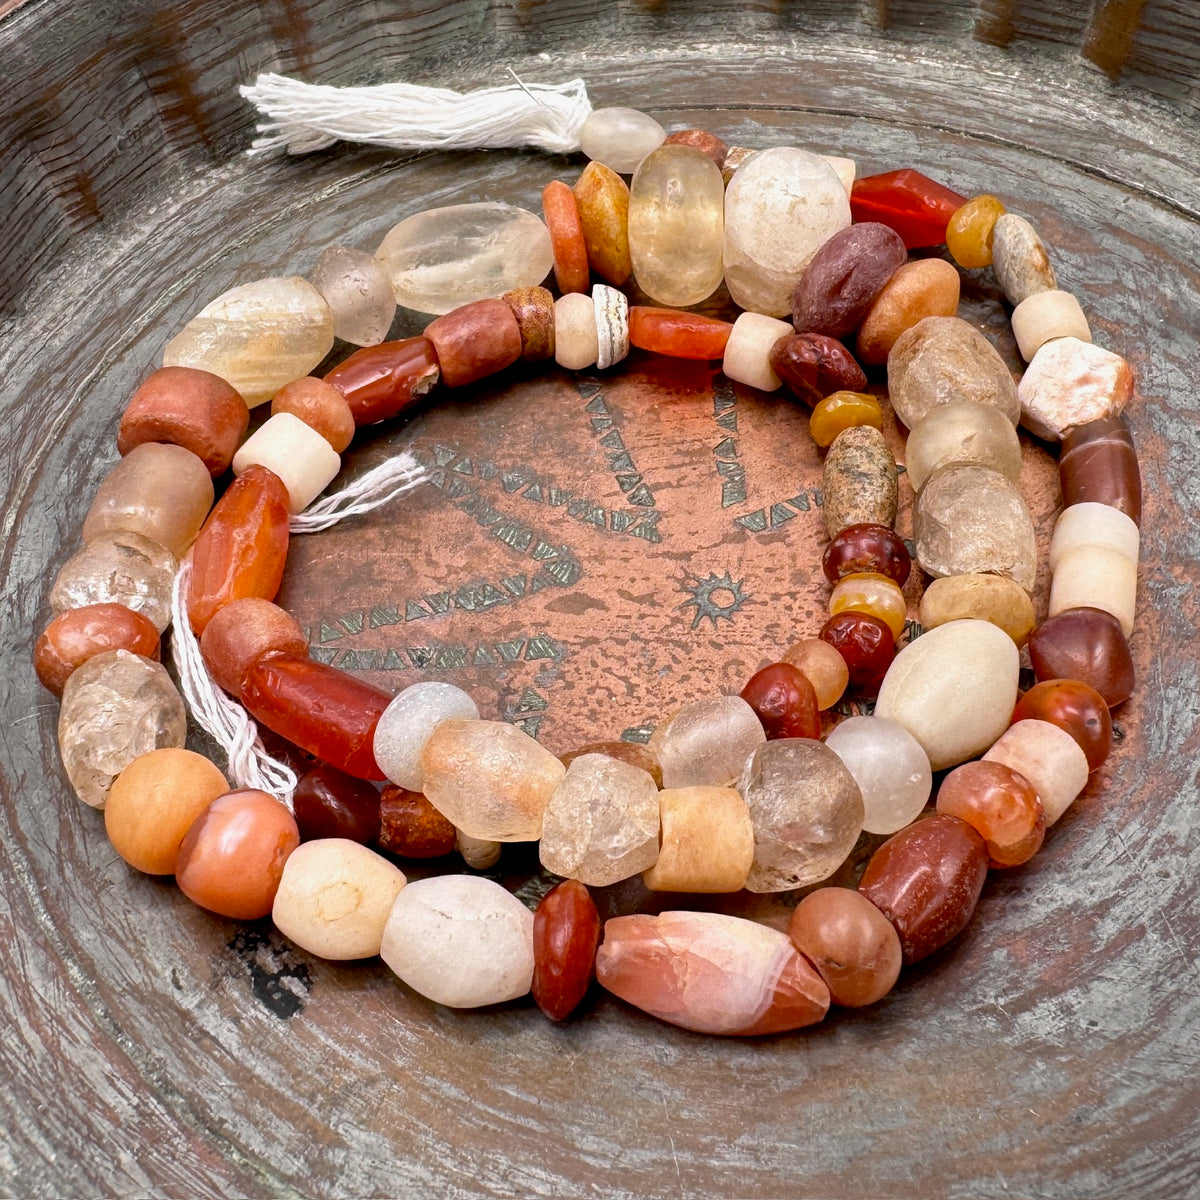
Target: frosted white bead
[[1093, 524], [405, 725], [1049, 757], [748, 351], [890, 768], [612, 325], [296, 452], [358, 292], [576, 342], [1044, 316], [958, 434], [1096, 577], [620, 137]]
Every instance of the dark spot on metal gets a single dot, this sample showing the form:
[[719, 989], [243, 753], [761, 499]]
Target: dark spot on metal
[[279, 980]]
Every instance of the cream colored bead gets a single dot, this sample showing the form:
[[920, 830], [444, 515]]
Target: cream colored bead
[[1093, 524], [1044, 316], [1049, 757], [576, 343], [296, 452], [1096, 577], [612, 325], [707, 841], [748, 351], [844, 168], [477, 853]]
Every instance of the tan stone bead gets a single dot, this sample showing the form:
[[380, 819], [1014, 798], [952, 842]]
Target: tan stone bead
[[576, 339], [241, 633], [844, 168], [320, 406], [1096, 577], [1091, 523], [735, 157], [823, 667], [1019, 259], [1044, 316], [928, 287], [991, 598], [603, 200], [534, 309], [707, 841], [478, 853], [859, 481], [1049, 757]]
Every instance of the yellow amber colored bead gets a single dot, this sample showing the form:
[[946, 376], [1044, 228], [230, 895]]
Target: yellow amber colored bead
[[969, 233], [874, 594], [841, 411]]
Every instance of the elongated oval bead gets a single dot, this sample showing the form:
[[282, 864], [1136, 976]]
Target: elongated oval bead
[[928, 287], [385, 380], [889, 766], [1019, 259], [1098, 462], [80, 634], [300, 457], [991, 598], [1001, 805], [784, 701], [859, 481], [331, 804], [873, 594], [566, 932], [841, 411], [1096, 577], [241, 633], [407, 723], [707, 742], [566, 237], [320, 406], [959, 435], [358, 292], [118, 568], [970, 230], [1085, 644], [1092, 524], [916, 207], [677, 225], [620, 138], [1049, 757], [815, 366], [861, 548], [1075, 707], [707, 841], [678, 334], [602, 198], [1044, 316], [475, 340]]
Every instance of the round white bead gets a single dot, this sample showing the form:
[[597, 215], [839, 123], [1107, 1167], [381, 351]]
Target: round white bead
[[405, 725]]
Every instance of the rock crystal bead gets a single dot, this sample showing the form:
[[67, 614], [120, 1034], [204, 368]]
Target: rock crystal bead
[[411, 827], [78, 635], [1092, 524], [620, 138], [475, 340], [710, 973], [1049, 757], [1096, 577], [1098, 462], [385, 380], [1085, 644], [566, 932], [815, 366], [784, 701], [928, 287], [320, 406], [407, 723], [1069, 383], [916, 207], [1075, 707], [116, 707], [359, 294], [780, 208], [707, 742], [970, 231], [328, 803], [678, 334], [748, 350], [867, 548], [296, 453], [865, 644], [243, 632], [257, 336], [992, 598], [566, 237], [943, 360], [612, 325], [677, 226], [633, 753], [1000, 805], [890, 768], [953, 689], [492, 780], [118, 568], [534, 309], [824, 668], [576, 337], [959, 434], [707, 841], [972, 520], [859, 481], [334, 898], [460, 940], [1044, 316], [1019, 259], [807, 812], [602, 198], [445, 257], [601, 824]]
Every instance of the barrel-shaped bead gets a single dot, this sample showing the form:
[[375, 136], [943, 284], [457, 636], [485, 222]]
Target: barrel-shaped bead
[[1098, 462], [707, 841], [707, 742], [1096, 577], [749, 349], [566, 932], [1085, 644], [962, 434], [1049, 757], [1044, 316], [1001, 805], [475, 340], [1093, 524], [859, 481], [867, 547], [300, 457]]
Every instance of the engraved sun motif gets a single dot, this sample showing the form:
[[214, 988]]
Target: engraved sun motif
[[717, 597]]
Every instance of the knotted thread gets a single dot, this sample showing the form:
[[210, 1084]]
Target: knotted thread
[[406, 116]]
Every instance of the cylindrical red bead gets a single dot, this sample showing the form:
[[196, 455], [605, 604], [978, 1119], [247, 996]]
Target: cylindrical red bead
[[475, 340], [243, 632], [1098, 462], [331, 804], [867, 549], [867, 645], [566, 932], [1075, 707], [1086, 644], [784, 701], [383, 381], [677, 334]]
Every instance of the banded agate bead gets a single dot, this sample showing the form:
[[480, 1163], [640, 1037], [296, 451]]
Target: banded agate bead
[[1098, 462]]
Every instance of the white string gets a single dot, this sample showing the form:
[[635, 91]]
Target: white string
[[390, 479], [405, 116]]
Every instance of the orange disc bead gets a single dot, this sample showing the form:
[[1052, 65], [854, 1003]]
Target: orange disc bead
[[841, 411], [566, 237], [874, 594], [969, 232]]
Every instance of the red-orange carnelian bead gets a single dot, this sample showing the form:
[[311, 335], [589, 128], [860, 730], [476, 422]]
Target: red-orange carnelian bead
[[915, 206], [331, 804], [385, 380], [475, 340], [862, 549], [232, 857], [242, 548], [1000, 804], [867, 645], [566, 237], [566, 932], [1074, 707], [677, 334], [411, 827], [702, 140], [330, 714], [243, 632], [784, 701], [81, 633], [320, 406]]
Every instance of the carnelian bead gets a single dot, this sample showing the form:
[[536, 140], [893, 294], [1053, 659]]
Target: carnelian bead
[[475, 340], [861, 549], [243, 632], [912, 204], [566, 933], [231, 859], [823, 667], [385, 380], [876, 595], [1001, 805], [785, 701], [331, 804], [1086, 644], [814, 366], [566, 237], [242, 548], [1072, 706], [411, 827], [330, 714], [969, 231], [81, 633], [867, 645], [843, 410], [677, 334]]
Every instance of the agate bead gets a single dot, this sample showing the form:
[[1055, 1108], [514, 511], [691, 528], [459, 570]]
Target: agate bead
[[1098, 463], [1049, 757], [915, 206], [873, 594], [814, 366], [566, 932], [1042, 317], [409, 826], [991, 598], [1000, 805], [969, 231], [331, 804], [566, 237], [241, 633], [841, 411], [784, 701], [867, 548], [1075, 707], [1085, 644], [385, 380], [928, 287], [867, 646], [79, 634], [576, 338], [678, 334], [602, 198], [823, 667]]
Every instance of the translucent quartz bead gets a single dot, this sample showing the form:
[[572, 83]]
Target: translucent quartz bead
[[566, 237], [890, 768], [620, 138], [926, 880], [707, 742], [969, 231], [1085, 644], [460, 940], [328, 803], [320, 406], [850, 942], [807, 812], [479, 854], [678, 334], [859, 481], [867, 548], [677, 225], [153, 803], [707, 841], [633, 753], [475, 340], [953, 689], [943, 360], [866, 645], [161, 491], [1075, 707], [80, 634], [330, 714], [231, 858], [566, 932], [534, 310], [242, 549], [701, 139], [748, 350], [612, 325], [1096, 577], [1044, 316], [1070, 383], [601, 824], [784, 701], [844, 277], [193, 409], [842, 411], [1049, 757], [971, 520], [823, 667], [335, 897], [873, 594], [358, 292], [120, 568], [407, 723], [1019, 259], [710, 973], [490, 779], [602, 198], [780, 208], [257, 336], [295, 453], [928, 287], [1098, 462], [979, 598], [442, 258], [576, 340], [814, 366], [411, 827], [1092, 524], [116, 707], [915, 206], [1000, 805], [385, 380], [241, 633], [961, 434]]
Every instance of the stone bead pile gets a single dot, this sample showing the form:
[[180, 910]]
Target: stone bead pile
[[731, 792]]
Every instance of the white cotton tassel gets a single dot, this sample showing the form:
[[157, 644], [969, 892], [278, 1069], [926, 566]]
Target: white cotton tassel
[[404, 116], [376, 487]]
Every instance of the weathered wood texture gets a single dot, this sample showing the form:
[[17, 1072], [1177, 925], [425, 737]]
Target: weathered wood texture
[[149, 1049]]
